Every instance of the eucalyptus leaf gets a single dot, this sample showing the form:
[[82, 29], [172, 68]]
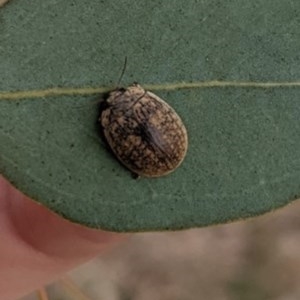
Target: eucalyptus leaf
[[229, 68]]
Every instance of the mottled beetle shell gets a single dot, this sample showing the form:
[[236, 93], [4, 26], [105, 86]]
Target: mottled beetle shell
[[143, 131]]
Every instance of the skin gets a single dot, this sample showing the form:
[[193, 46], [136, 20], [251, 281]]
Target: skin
[[38, 246]]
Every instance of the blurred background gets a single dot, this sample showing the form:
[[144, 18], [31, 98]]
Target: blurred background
[[253, 259]]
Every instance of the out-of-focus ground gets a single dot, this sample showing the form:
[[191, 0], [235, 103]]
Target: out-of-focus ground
[[255, 259]]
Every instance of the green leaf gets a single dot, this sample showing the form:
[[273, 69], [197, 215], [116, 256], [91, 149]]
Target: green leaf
[[243, 157]]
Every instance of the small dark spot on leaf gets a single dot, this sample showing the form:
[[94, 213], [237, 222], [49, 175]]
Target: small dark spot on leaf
[[135, 176]]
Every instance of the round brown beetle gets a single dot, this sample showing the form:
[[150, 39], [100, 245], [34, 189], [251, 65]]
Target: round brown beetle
[[143, 131]]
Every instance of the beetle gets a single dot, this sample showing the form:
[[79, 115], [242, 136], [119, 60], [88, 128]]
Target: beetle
[[144, 132]]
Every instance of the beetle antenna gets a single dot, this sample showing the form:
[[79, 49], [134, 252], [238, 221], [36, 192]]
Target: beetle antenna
[[122, 73]]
